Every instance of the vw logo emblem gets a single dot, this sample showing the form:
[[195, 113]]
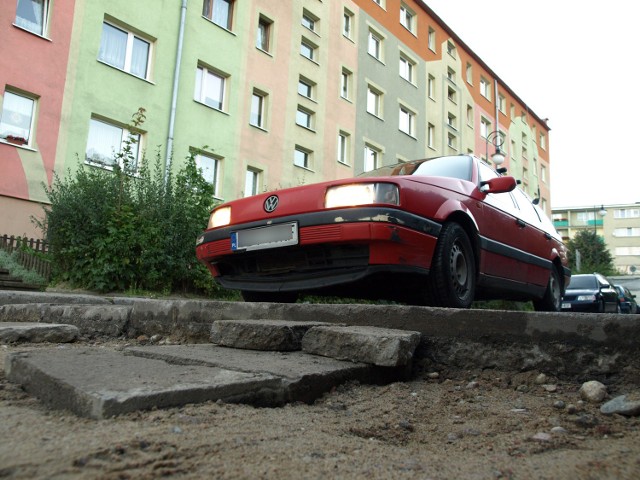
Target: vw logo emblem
[[271, 203]]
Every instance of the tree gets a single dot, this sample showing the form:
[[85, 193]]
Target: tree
[[588, 253]]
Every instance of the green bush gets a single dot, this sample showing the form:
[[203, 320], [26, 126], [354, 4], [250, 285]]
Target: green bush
[[129, 229], [10, 262]]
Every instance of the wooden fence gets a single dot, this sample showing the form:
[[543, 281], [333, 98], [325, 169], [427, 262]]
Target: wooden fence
[[25, 257]]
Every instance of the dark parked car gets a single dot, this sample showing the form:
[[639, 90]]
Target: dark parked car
[[627, 300], [441, 231], [591, 292]]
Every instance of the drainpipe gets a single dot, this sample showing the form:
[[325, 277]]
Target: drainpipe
[[495, 96], [174, 95]]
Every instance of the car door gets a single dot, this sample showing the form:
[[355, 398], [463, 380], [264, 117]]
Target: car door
[[503, 234], [609, 294]]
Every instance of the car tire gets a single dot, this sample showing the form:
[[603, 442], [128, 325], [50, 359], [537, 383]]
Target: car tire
[[452, 280], [273, 297], [552, 300], [618, 309], [602, 306]]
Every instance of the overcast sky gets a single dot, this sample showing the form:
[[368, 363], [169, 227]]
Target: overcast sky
[[576, 63]]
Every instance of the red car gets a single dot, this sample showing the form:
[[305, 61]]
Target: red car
[[442, 231]]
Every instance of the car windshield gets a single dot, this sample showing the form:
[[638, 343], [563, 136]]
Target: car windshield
[[458, 166], [584, 282]]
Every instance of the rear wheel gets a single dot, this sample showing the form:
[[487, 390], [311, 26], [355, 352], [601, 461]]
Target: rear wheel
[[274, 297], [452, 280], [552, 300]]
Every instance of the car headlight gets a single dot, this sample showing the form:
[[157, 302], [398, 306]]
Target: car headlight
[[586, 298], [220, 217], [361, 194]]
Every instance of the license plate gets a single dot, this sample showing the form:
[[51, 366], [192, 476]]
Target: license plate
[[566, 305], [271, 236]]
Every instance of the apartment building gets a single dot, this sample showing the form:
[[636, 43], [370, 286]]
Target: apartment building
[[618, 225], [266, 94]]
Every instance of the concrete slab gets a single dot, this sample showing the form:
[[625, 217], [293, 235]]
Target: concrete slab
[[272, 335], [100, 383], [304, 377], [379, 346], [16, 332]]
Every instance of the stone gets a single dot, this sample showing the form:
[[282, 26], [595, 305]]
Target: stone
[[15, 332], [593, 391], [623, 405]]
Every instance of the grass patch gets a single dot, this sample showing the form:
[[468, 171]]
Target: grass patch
[[9, 262]]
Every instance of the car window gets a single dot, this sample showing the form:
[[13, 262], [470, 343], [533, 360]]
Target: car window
[[527, 209], [602, 281], [454, 166], [583, 282], [503, 201]]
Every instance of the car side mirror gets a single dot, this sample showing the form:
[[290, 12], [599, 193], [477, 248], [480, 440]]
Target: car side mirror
[[498, 185]]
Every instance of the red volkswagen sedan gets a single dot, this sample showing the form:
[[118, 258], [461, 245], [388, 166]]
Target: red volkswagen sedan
[[441, 231]]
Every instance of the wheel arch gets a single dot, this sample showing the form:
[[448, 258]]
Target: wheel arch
[[470, 227]]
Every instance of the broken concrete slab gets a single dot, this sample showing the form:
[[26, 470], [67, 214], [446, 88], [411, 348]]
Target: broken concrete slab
[[23, 297], [304, 377], [271, 335], [378, 346], [100, 383], [16, 332], [91, 320]]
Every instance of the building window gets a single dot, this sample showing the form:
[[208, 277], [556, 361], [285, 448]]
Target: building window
[[431, 39], [302, 157], [485, 88], [451, 75], [219, 12], [407, 121], [452, 120], [451, 49], [469, 73], [32, 15], [124, 50], [452, 141], [543, 141], [263, 37], [309, 21], [431, 135], [345, 84], [626, 213], [627, 251], [502, 103], [308, 50], [451, 94], [210, 88], [543, 173], [107, 143], [343, 147], [379, 2], [407, 18], [209, 169], [374, 45], [485, 127], [347, 24], [305, 87], [373, 102], [258, 104], [304, 118], [470, 115], [371, 158], [407, 68], [251, 182], [431, 87], [16, 118]]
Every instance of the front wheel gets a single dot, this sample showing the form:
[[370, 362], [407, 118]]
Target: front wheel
[[552, 300], [274, 297], [452, 280]]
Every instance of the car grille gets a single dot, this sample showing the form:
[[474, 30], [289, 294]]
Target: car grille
[[295, 260]]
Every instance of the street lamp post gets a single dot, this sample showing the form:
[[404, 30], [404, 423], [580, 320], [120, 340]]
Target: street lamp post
[[496, 140], [602, 212]]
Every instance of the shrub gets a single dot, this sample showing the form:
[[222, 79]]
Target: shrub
[[125, 229]]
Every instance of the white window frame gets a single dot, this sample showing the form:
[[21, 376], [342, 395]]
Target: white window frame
[[210, 170], [211, 14], [431, 87], [347, 24], [126, 64], [485, 88], [305, 117], [344, 148], [203, 75], [485, 127], [431, 135], [375, 45], [371, 158], [431, 39], [257, 117], [263, 34], [407, 68], [374, 101], [251, 182], [41, 29], [309, 88], [308, 50], [451, 49], [309, 21], [12, 133], [302, 157], [407, 18], [346, 78], [407, 121], [125, 135]]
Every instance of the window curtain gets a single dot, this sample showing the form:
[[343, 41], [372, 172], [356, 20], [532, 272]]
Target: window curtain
[[139, 58], [30, 15], [222, 13], [16, 116], [113, 46], [104, 142]]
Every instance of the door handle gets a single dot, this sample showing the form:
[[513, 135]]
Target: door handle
[[520, 223], [547, 236]]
